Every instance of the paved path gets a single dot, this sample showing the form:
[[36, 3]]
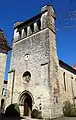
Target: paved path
[[62, 118], [66, 118]]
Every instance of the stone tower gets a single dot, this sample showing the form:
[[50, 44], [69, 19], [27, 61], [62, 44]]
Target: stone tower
[[33, 77], [4, 48]]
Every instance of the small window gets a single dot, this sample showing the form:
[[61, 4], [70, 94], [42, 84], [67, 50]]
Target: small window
[[56, 99], [2, 106], [4, 92], [40, 106], [2, 101], [64, 81], [26, 56], [71, 77]]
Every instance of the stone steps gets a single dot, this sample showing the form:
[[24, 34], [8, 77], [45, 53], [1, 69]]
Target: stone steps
[[29, 118]]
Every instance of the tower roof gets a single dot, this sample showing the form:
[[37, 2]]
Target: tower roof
[[3, 42]]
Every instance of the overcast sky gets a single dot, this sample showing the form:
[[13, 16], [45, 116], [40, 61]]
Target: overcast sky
[[12, 11]]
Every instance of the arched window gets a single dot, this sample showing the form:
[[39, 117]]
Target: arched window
[[64, 81], [26, 76]]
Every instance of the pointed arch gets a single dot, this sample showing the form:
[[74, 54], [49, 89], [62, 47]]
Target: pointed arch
[[23, 95]]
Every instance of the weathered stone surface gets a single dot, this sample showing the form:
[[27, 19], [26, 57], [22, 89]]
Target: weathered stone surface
[[43, 66], [70, 85], [3, 58]]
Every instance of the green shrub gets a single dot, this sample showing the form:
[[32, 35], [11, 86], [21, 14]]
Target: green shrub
[[16, 107], [73, 111], [69, 109], [36, 114], [12, 110]]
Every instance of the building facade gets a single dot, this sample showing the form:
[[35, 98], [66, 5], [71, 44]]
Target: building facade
[[37, 78], [4, 48]]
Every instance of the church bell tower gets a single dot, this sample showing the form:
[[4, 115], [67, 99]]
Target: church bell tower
[[34, 66]]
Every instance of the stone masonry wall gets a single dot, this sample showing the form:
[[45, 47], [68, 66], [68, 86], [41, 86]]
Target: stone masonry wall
[[3, 58], [37, 64], [70, 82], [56, 105]]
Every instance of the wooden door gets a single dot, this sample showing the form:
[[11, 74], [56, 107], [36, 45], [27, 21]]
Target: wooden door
[[26, 109]]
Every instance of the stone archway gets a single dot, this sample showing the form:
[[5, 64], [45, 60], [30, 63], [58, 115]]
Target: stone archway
[[26, 100], [27, 105]]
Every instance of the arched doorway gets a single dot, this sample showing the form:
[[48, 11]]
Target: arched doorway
[[27, 105], [26, 101]]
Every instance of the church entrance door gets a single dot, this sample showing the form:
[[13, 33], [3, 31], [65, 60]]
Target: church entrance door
[[27, 105]]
